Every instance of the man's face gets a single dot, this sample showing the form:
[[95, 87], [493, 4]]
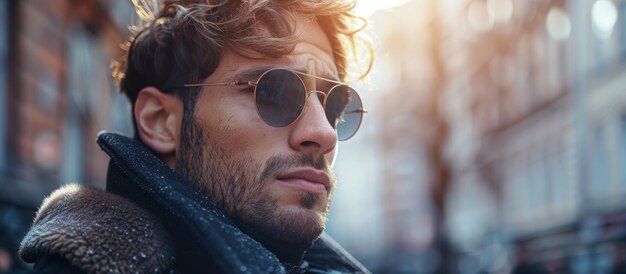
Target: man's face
[[277, 180]]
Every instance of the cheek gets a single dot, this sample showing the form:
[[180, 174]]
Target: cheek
[[229, 119], [235, 127], [242, 136]]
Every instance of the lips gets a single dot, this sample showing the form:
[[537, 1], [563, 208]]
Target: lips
[[309, 179]]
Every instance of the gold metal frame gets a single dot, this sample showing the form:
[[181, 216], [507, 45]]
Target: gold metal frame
[[306, 97]]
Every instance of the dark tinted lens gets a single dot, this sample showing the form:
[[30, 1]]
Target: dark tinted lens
[[344, 111], [279, 97]]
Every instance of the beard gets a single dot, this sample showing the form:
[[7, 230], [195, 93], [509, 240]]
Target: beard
[[240, 187]]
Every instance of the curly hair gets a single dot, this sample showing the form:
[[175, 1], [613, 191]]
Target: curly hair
[[184, 41]]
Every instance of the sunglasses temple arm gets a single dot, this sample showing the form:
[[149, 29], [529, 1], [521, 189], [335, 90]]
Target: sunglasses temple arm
[[233, 83], [357, 111], [317, 77]]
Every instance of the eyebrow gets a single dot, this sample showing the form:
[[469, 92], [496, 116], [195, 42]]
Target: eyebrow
[[253, 74]]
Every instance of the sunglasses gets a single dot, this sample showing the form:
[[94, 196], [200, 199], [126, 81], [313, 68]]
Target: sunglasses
[[280, 96]]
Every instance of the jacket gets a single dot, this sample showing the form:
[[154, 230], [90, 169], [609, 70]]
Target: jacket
[[150, 220]]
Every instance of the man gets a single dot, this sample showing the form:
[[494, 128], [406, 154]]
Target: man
[[238, 107]]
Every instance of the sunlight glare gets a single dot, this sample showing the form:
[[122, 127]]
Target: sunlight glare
[[367, 8]]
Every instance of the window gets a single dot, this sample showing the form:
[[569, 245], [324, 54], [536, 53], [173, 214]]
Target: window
[[623, 148], [537, 178], [80, 78], [557, 179], [599, 163], [3, 85]]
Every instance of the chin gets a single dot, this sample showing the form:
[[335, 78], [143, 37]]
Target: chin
[[292, 217], [298, 224], [295, 223]]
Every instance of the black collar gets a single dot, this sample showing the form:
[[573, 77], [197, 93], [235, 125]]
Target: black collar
[[286, 252]]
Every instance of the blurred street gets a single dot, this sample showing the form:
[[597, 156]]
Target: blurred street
[[495, 140]]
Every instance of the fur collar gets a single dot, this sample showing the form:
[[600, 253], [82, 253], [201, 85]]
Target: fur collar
[[98, 232]]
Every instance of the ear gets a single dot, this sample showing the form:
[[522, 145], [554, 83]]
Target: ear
[[158, 116]]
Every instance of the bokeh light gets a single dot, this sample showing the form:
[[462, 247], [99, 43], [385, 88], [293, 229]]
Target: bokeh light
[[604, 16], [558, 24], [479, 16]]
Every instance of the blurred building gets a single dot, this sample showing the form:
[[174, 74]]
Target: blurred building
[[533, 96], [537, 98], [56, 93], [535, 104]]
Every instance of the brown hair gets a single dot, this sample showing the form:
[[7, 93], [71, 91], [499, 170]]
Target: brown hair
[[183, 42]]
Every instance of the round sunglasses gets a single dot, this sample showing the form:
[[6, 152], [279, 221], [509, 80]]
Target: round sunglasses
[[280, 98]]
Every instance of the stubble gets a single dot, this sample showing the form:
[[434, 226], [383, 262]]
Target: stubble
[[235, 185]]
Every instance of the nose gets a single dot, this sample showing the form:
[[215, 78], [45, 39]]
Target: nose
[[312, 133]]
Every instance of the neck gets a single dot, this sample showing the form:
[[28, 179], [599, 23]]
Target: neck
[[286, 252]]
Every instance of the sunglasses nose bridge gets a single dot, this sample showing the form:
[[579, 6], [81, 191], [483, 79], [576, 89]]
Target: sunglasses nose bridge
[[308, 94], [323, 101]]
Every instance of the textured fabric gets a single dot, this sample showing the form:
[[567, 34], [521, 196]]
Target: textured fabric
[[205, 240], [97, 232], [55, 264], [326, 256]]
